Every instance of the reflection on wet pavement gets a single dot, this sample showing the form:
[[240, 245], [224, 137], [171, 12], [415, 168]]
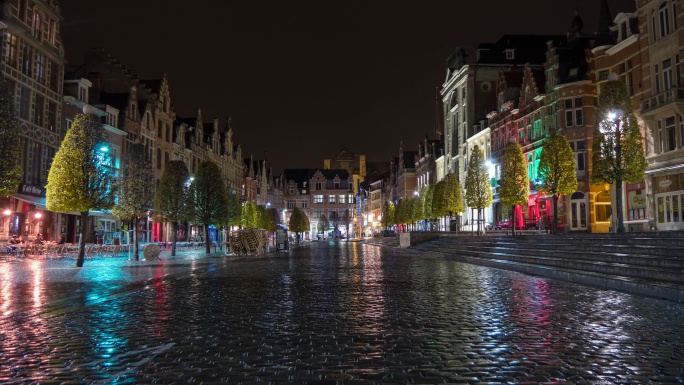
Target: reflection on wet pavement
[[327, 313]]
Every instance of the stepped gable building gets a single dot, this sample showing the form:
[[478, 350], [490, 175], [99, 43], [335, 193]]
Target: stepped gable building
[[33, 66], [319, 192], [469, 92], [151, 119]]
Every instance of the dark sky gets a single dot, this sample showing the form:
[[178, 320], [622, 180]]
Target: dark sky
[[303, 78]]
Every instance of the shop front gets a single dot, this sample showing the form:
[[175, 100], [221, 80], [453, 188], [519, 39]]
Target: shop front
[[669, 197], [24, 214]]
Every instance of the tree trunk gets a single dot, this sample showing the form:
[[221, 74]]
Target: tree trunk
[[207, 241], [136, 247], [555, 214], [174, 236], [82, 239], [513, 222], [619, 226]]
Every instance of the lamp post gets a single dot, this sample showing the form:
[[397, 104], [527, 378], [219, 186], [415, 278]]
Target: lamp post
[[613, 135]]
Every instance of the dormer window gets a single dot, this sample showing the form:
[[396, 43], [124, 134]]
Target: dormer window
[[510, 54]]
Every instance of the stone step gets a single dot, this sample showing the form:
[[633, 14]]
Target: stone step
[[674, 253], [597, 266], [631, 258], [645, 287]]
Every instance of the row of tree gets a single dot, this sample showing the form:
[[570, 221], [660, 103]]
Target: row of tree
[[335, 221], [82, 178]]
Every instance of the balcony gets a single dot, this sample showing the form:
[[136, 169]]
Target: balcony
[[673, 95]]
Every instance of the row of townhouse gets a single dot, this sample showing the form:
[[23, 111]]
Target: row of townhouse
[[517, 89], [527, 87], [48, 96]]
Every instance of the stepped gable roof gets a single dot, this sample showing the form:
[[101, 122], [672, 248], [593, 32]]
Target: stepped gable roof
[[332, 173], [526, 49], [539, 80], [410, 159]]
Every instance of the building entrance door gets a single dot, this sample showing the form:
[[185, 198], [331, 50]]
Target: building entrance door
[[578, 211]]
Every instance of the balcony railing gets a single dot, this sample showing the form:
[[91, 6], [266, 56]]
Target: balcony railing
[[663, 98]]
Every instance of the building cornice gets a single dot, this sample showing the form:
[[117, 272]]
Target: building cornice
[[622, 45]]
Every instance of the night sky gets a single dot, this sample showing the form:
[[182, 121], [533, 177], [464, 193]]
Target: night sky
[[302, 79]]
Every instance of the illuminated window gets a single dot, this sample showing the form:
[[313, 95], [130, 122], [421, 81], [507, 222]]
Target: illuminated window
[[318, 199], [342, 199], [331, 199]]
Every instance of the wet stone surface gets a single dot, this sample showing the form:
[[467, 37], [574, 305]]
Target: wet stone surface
[[325, 314]]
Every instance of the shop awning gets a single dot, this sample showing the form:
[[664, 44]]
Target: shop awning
[[38, 201]]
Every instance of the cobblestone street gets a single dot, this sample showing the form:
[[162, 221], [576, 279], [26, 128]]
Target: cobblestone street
[[326, 313]]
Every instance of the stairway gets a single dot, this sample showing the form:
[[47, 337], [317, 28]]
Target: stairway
[[649, 264]]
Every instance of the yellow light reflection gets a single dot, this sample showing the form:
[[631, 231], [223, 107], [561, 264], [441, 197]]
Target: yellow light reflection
[[6, 289], [37, 271]]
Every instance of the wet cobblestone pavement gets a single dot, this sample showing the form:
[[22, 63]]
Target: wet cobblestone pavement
[[345, 313]]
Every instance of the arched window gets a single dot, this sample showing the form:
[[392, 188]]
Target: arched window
[[580, 195]]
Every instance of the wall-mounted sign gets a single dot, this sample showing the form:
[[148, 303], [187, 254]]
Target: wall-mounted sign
[[30, 189], [665, 183]]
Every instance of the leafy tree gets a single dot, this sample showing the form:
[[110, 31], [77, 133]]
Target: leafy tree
[[81, 177], [209, 204], [299, 222], [173, 198], [557, 170], [448, 199], [234, 214], [346, 221], [428, 195], [400, 212], [417, 209], [323, 224], [335, 220], [515, 183], [388, 214], [250, 216], [136, 194], [617, 149], [477, 184], [10, 143]]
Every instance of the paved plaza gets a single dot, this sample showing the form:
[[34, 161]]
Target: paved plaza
[[324, 313]]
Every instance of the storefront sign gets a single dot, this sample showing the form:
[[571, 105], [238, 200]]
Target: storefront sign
[[665, 183], [30, 189]]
